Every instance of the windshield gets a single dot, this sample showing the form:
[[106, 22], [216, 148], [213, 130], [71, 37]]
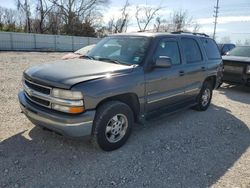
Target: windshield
[[243, 51], [121, 49]]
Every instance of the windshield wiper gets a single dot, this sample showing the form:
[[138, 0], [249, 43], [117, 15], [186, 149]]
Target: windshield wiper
[[87, 57], [111, 60]]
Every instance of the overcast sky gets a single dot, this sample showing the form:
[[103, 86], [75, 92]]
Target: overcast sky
[[234, 15]]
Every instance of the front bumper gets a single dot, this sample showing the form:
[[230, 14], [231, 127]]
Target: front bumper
[[68, 125]]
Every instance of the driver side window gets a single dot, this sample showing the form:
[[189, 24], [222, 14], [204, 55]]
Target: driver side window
[[170, 49]]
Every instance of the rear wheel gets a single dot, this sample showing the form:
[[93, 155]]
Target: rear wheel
[[112, 125], [205, 96]]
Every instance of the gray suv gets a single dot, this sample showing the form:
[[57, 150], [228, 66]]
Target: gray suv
[[125, 78]]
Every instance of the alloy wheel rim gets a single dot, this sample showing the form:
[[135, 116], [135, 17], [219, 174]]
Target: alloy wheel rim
[[116, 128], [206, 97]]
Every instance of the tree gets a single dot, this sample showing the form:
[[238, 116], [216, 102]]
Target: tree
[[119, 24], [25, 7], [157, 24], [144, 15], [10, 20], [74, 11], [161, 25], [196, 27], [43, 9], [54, 21], [180, 21]]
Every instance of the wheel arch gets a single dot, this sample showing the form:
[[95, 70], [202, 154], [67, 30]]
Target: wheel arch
[[131, 99], [212, 80]]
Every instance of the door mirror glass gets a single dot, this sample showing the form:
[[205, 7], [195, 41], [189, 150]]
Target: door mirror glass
[[163, 62]]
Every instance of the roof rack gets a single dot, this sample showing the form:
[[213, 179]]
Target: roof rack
[[192, 33]]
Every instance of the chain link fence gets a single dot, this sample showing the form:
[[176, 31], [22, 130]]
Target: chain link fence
[[11, 41]]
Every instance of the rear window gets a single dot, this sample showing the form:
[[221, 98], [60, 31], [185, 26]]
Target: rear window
[[211, 48]]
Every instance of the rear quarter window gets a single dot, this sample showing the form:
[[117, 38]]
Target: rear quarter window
[[211, 49]]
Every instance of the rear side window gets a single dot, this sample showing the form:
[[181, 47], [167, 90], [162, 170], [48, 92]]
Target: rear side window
[[191, 50], [211, 49]]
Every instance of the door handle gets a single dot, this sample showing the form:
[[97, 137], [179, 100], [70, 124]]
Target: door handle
[[181, 73]]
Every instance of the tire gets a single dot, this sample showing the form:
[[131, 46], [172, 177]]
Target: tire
[[112, 125], [205, 97]]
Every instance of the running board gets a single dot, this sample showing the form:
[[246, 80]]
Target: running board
[[169, 110]]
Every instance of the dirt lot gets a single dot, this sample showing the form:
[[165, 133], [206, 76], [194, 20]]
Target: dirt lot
[[188, 149]]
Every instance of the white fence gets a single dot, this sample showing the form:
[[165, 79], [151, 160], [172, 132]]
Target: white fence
[[10, 41]]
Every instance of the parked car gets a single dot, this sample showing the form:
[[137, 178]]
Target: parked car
[[124, 79], [237, 66], [79, 53], [224, 48]]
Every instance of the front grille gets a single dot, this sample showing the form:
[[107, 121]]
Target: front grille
[[233, 67], [37, 93], [233, 71], [37, 87], [40, 101]]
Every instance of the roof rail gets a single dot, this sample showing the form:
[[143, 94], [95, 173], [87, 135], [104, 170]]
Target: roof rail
[[192, 33]]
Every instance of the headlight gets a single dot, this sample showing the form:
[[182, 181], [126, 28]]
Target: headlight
[[67, 94], [67, 101], [248, 69]]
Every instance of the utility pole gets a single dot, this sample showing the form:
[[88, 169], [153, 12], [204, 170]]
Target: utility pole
[[216, 11]]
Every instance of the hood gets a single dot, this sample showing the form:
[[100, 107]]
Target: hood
[[237, 58], [66, 73]]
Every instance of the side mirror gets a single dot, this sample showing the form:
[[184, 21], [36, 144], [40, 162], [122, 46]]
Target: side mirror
[[163, 62]]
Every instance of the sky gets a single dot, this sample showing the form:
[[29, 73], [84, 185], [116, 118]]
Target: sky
[[233, 21]]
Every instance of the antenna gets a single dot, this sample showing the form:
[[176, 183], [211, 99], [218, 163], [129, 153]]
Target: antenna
[[216, 11]]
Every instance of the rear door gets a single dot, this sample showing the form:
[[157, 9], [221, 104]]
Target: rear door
[[165, 86], [213, 58], [195, 68]]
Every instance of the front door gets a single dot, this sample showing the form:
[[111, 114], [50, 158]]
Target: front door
[[165, 86]]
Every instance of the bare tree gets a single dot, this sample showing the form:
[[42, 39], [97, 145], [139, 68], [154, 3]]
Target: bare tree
[[157, 24], [161, 25], [43, 8], [1, 14], [196, 27], [24, 6], [73, 11], [54, 21], [9, 19], [144, 15], [120, 24], [180, 21]]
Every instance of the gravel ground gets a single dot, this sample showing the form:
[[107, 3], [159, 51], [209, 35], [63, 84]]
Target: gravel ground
[[188, 149]]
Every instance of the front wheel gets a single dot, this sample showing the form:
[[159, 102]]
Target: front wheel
[[205, 97], [112, 125]]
